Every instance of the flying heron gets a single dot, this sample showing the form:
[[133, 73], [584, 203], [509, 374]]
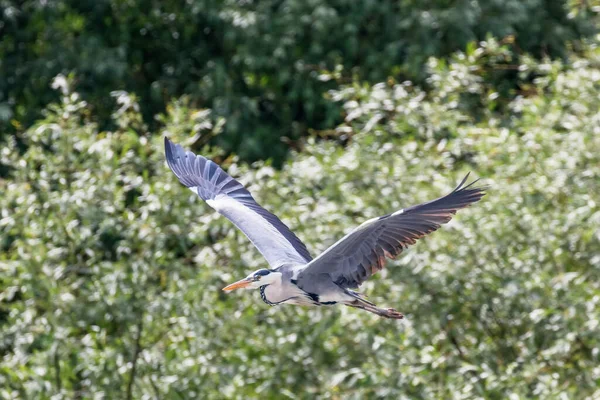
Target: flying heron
[[294, 277]]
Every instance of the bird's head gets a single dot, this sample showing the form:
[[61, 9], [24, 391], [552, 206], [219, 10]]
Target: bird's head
[[255, 280]]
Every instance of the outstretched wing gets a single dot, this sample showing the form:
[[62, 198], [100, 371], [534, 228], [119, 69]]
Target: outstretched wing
[[229, 197], [361, 253]]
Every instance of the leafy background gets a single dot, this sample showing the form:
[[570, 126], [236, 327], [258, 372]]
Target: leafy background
[[331, 113]]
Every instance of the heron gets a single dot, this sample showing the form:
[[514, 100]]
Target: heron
[[293, 276]]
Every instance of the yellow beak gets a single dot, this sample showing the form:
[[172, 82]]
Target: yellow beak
[[237, 285]]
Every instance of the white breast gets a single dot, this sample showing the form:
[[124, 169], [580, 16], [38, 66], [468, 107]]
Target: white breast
[[286, 294]]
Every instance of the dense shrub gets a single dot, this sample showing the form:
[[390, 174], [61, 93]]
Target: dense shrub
[[112, 270]]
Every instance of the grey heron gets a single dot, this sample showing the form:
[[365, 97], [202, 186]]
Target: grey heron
[[294, 277]]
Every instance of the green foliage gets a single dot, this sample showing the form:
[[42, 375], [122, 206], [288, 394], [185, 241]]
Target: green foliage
[[111, 270], [260, 65]]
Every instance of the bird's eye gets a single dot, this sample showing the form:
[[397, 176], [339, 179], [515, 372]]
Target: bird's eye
[[260, 273]]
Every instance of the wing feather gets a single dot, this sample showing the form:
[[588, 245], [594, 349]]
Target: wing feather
[[230, 198], [362, 252]]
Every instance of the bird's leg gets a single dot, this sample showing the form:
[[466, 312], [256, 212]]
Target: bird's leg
[[383, 312]]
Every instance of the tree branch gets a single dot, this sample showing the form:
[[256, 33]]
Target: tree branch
[[136, 354], [57, 369]]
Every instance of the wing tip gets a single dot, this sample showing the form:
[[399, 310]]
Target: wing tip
[[181, 163], [470, 187], [462, 182], [170, 149]]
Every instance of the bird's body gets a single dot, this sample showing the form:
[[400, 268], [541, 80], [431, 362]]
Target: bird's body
[[289, 290], [295, 277]]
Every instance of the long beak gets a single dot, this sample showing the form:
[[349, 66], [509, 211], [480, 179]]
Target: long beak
[[237, 285]]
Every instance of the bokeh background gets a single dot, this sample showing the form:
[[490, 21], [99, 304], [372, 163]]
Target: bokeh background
[[332, 112]]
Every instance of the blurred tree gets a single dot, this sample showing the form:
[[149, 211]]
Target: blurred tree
[[258, 64]]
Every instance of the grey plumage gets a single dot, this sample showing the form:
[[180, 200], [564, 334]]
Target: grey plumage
[[362, 252], [296, 278], [230, 198]]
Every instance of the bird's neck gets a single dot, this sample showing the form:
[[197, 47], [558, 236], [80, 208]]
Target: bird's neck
[[274, 292], [263, 296], [283, 291]]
